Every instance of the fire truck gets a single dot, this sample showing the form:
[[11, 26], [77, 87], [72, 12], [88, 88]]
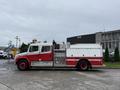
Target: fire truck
[[79, 56]]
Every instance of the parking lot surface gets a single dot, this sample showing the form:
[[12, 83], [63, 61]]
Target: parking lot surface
[[57, 79]]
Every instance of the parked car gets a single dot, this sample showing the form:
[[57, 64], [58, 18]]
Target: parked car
[[3, 54]]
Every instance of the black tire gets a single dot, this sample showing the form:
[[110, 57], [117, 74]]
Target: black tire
[[23, 65], [83, 65]]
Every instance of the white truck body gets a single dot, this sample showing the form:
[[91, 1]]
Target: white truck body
[[85, 50]]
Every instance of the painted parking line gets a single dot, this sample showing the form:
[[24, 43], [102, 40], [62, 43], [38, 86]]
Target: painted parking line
[[5, 87], [3, 69], [89, 75]]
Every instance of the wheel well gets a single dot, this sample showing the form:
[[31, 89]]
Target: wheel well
[[84, 60], [22, 59]]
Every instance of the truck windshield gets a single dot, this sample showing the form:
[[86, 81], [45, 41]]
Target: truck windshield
[[33, 48]]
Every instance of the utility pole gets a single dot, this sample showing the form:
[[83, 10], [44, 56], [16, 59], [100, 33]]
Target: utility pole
[[10, 43], [19, 42], [17, 38]]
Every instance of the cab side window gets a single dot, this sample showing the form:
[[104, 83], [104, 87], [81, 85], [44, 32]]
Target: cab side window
[[33, 49], [46, 48]]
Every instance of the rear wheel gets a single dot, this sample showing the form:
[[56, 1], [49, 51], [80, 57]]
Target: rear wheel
[[83, 65], [23, 65]]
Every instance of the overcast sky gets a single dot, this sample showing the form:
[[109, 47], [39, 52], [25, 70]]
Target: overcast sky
[[56, 19]]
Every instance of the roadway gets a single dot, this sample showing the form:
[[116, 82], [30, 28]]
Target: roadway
[[57, 79]]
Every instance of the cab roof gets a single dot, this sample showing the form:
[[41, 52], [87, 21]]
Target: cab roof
[[41, 44]]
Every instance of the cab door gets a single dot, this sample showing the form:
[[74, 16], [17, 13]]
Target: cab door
[[33, 54], [46, 53]]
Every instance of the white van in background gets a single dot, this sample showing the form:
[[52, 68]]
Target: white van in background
[[3, 54]]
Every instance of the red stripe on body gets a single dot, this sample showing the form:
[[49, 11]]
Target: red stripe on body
[[71, 62], [93, 60], [96, 61]]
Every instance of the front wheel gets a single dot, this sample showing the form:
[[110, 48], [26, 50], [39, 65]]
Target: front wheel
[[83, 65], [23, 65]]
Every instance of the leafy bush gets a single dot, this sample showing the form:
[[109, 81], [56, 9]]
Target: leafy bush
[[106, 55], [116, 55]]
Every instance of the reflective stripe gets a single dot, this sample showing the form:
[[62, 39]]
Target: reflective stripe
[[88, 59], [72, 59]]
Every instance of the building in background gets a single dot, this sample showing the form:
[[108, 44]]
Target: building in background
[[110, 39], [89, 38]]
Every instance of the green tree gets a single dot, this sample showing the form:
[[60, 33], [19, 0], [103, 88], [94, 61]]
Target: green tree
[[23, 47], [116, 55], [106, 55]]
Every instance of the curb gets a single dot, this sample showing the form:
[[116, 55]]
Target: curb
[[110, 68]]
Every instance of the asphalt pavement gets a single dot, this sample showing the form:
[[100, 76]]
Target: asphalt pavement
[[57, 79]]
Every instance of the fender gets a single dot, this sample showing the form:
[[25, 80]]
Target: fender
[[17, 59]]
